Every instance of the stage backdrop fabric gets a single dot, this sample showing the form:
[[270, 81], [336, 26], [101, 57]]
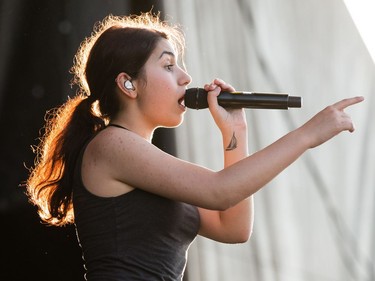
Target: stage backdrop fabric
[[315, 221]]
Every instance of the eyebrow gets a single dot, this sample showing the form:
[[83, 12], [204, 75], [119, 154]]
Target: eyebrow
[[167, 53]]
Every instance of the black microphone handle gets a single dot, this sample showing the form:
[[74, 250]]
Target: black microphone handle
[[196, 98], [256, 100]]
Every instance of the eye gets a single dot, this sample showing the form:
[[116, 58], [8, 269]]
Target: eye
[[169, 67]]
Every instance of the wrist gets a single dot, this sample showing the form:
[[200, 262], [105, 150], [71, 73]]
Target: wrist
[[235, 139], [303, 138], [237, 128]]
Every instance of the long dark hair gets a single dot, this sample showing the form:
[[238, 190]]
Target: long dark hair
[[118, 44]]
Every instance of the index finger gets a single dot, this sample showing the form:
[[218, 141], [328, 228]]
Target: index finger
[[224, 86], [348, 102]]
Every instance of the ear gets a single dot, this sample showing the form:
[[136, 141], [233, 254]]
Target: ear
[[125, 84]]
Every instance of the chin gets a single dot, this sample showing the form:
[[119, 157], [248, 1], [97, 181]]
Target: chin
[[174, 123]]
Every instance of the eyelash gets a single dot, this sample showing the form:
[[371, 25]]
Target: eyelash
[[169, 67]]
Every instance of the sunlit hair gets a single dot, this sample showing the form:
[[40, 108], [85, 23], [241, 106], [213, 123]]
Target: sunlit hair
[[117, 44]]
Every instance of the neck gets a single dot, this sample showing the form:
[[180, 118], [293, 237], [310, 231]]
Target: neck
[[147, 134]]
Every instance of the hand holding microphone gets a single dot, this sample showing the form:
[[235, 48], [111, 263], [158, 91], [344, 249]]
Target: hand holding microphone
[[196, 98]]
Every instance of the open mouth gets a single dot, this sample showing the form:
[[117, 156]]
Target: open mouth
[[181, 101]]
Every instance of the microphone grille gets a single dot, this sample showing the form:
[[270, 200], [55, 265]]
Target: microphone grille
[[196, 98]]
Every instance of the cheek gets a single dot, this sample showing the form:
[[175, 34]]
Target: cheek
[[160, 92], [158, 89], [155, 98]]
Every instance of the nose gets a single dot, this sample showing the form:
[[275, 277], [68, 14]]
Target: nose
[[185, 78]]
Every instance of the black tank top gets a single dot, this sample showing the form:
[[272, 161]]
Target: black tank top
[[134, 236]]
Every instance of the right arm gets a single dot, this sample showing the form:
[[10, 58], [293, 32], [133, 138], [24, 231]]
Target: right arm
[[158, 172]]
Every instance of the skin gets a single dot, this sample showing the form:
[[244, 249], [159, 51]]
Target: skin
[[224, 198]]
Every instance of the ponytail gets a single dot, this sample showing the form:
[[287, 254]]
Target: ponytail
[[67, 129]]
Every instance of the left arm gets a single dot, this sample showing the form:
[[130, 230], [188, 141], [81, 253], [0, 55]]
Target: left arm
[[233, 225]]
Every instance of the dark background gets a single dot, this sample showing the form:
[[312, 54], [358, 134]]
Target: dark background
[[38, 40]]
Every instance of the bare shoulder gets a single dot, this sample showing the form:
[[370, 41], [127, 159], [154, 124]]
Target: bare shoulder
[[113, 142], [106, 157]]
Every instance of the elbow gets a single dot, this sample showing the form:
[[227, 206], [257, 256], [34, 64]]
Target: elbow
[[243, 232], [246, 237], [238, 237], [243, 236]]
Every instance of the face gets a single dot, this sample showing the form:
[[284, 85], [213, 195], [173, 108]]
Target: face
[[160, 98]]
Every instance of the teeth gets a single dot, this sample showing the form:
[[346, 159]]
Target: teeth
[[181, 101]]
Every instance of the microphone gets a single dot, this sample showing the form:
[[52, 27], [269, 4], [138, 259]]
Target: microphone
[[196, 98]]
